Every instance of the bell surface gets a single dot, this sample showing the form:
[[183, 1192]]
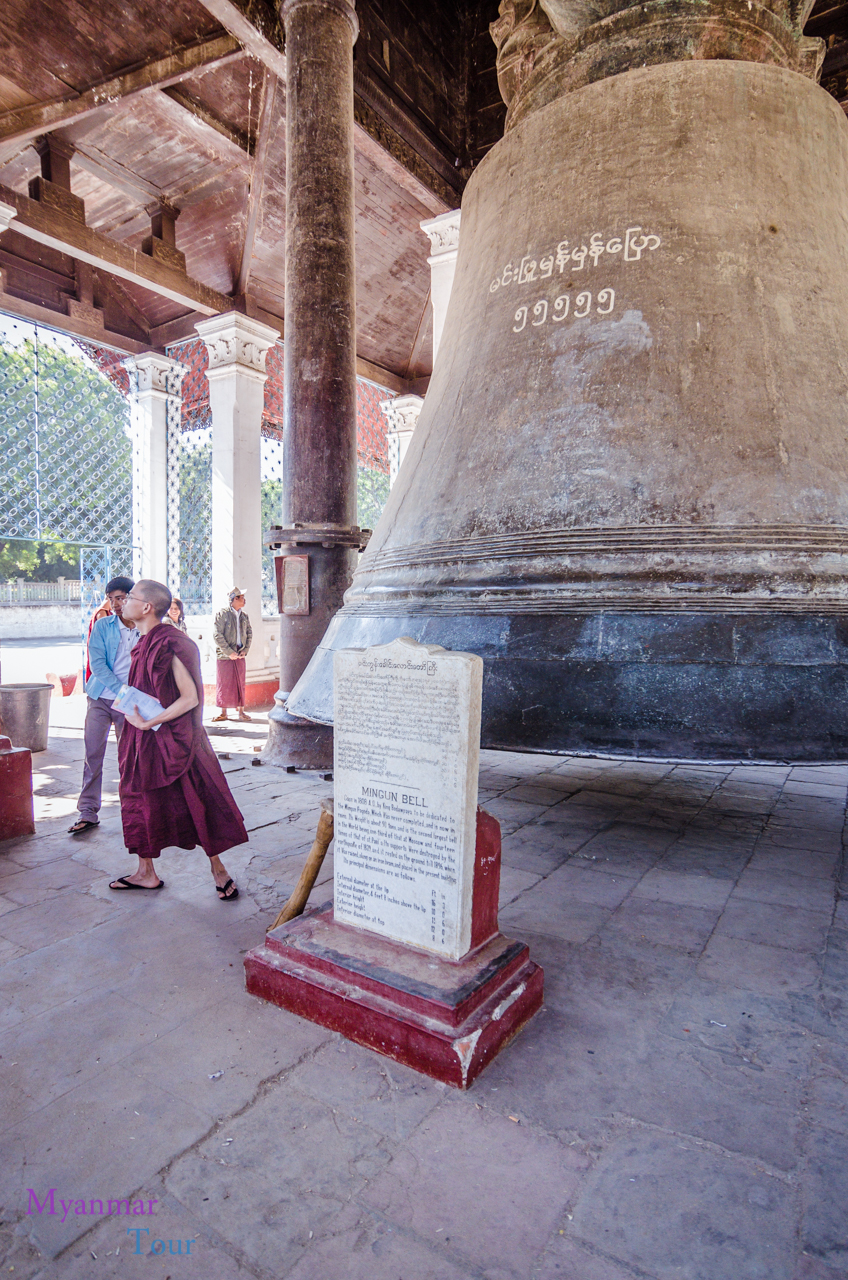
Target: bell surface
[[627, 488]]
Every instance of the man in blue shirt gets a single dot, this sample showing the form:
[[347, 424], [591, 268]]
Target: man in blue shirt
[[109, 650]]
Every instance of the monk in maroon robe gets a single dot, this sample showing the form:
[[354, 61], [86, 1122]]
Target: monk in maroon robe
[[173, 790]]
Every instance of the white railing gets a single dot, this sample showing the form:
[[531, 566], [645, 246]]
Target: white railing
[[20, 592]]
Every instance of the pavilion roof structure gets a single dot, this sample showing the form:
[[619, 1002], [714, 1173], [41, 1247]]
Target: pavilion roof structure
[[180, 109], [172, 121]]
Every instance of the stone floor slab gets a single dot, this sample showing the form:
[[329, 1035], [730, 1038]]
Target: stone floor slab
[[672, 1211], [293, 1161], [825, 1224], [774, 925], [664, 923], [431, 1187], [388, 1097], [372, 1250], [784, 888], [661, 885], [762, 970], [565, 1259]]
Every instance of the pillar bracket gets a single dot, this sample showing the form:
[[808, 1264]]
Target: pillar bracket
[[317, 535]]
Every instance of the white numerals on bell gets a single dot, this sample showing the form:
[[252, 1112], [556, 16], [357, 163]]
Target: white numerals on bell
[[584, 304]]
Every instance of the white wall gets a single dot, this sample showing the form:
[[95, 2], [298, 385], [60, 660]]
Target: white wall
[[34, 621]]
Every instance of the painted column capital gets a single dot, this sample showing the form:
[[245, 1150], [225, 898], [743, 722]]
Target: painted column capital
[[157, 374], [401, 414], [236, 344], [443, 232], [345, 8]]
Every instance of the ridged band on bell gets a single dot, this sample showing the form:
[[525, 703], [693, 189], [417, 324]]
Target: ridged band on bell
[[627, 487]]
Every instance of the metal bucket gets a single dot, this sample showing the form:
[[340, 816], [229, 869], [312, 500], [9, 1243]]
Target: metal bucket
[[24, 714]]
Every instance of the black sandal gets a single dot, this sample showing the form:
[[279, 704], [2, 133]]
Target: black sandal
[[221, 890], [81, 824]]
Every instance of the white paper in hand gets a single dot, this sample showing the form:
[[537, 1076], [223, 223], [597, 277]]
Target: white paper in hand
[[130, 698]]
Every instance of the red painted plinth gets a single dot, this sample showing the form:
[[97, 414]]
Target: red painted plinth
[[447, 1019], [16, 815]]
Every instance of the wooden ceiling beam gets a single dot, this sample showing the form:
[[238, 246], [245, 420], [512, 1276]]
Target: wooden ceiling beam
[[381, 377], [113, 289], [25, 123], [214, 130], [49, 227], [382, 157], [38, 313], [420, 335], [114, 174], [256, 25], [254, 198]]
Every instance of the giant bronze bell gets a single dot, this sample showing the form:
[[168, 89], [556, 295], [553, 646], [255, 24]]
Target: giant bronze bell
[[628, 489]]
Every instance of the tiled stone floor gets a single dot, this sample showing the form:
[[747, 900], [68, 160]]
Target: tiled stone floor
[[677, 1111]]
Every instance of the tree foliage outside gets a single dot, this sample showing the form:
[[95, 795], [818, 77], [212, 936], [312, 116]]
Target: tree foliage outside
[[372, 491], [67, 461], [196, 520], [38, 561]]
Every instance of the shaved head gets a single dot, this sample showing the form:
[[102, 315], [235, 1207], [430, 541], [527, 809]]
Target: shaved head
[[156, 594]]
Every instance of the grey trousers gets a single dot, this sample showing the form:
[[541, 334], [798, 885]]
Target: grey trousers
[[98, 719]]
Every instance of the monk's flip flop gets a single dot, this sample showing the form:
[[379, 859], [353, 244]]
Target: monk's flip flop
[[81, 825], [221, 890], [122, 884]]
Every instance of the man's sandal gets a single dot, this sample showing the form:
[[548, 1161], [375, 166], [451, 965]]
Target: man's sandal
[[223, 896], [82, 824], [123, 883]]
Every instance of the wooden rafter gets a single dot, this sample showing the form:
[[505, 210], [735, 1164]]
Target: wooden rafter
[[254, 199], [260, 33], [24, 123], [39, 313], [420, 334], [49, 227], [213, 129], [115, 290], [114, 174]]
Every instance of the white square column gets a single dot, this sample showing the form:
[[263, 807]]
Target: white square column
[[237, 348], [401, 413], [158, 382], [444, 246]]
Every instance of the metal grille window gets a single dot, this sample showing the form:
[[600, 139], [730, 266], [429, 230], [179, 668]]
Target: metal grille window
[[272, 503], [190, 481], [66, 441], [195, 489]]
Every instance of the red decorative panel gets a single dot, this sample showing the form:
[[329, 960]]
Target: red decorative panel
[[371, 445], [109, 362], [372, 449], [195, 387]]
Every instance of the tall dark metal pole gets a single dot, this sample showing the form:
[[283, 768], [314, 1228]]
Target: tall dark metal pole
[[319, 449]]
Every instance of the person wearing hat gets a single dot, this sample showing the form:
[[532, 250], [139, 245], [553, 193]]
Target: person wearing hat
[[110, 648], [233, 634]]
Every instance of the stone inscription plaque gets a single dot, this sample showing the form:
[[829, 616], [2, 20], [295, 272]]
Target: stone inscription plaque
[[407, 747]]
